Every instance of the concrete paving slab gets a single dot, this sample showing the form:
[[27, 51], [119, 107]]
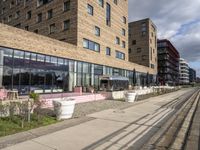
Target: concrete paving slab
[[30, 145], [82, 135]]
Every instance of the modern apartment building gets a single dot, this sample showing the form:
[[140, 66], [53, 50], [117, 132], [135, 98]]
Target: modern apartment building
[[97, 25], [168, 63], [93, 38], [143, 43], [183, 72], [192, 75]]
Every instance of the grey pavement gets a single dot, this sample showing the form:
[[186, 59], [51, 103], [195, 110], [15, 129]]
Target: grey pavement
[[109, 129]]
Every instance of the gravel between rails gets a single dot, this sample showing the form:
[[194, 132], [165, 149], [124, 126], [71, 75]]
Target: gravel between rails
[[84, 109]]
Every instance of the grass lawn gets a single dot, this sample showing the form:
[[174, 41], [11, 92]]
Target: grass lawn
[[11, 126]]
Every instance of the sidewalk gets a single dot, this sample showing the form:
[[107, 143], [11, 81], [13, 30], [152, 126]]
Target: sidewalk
[[109, 129]]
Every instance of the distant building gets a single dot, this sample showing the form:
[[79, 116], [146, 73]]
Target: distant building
[[198, 80], [143, 43], [183, 72], [168, 63], [192, 75]]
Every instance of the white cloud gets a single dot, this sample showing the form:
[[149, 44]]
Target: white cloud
[[176, 20]]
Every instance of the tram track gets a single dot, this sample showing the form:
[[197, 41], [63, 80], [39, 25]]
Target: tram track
[[177, 130]]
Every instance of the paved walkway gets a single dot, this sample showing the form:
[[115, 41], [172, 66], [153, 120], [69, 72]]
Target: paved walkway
[[110, 129]]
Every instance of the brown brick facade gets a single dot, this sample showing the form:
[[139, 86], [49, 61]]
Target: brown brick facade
[[23, 40], [143, 43]]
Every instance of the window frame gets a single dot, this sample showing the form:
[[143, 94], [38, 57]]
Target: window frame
[[90, 9]]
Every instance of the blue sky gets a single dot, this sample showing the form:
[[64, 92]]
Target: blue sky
[[176, 20]]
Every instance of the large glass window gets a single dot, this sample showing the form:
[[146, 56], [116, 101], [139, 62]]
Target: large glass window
[[26, 71], [18, 58], [8, 57], [7, 77], [91, 45], [24, 81], [120, 55], [37, 80], [16, 78], [98, 70]]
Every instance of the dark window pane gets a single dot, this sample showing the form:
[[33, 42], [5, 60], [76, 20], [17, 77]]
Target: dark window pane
[[7, 77], [24, 81]]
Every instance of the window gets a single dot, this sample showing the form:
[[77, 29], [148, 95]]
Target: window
[[108, 15], [115, 1], [123, 32], [26, 28], [39, 17], [11, 4], [134, 42], [4, 20], [17, 2], [152, 66], [3, 10], [17, 14], [139, 50], [123, 44], [144, 28], [129, 50], [67, 5], [91, 45], [66, 24], [97, 31], [108, 51], [143, 33], [9, 18], [50, 14], [90, 9], [52, 28], [18, 25], [124, 19], [144, 24], [28, 15], [101, 3], [120, 55], [42, 2], [117, 41], [36, 31]]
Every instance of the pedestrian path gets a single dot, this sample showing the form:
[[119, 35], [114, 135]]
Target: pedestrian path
[[110, 129]]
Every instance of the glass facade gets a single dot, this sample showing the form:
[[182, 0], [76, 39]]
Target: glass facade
[[28, 71]]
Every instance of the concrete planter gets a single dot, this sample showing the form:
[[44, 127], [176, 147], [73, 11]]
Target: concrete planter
[[64, 108], [130, 97]]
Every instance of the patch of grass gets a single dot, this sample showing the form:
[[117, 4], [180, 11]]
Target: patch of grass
[[8, 126]]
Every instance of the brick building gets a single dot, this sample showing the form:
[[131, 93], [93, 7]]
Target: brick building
[[82, 23], [143, 43], [93, 42]]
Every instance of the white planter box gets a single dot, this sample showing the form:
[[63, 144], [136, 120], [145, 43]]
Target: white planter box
[[130, 97], [64, 108]]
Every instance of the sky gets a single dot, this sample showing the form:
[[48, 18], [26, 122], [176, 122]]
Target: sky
[[176, 20]]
